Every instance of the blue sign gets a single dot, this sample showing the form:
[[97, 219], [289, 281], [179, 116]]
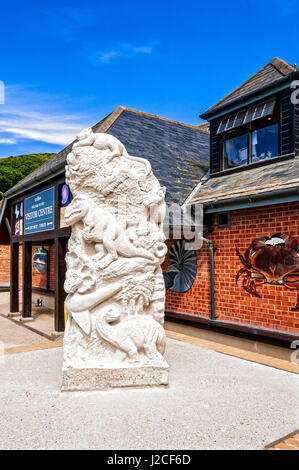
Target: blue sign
[[39, 212]]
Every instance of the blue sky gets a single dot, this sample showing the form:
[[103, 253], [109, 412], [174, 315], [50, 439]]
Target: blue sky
[[67, 64]]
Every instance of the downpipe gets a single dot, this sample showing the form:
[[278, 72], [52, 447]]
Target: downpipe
[[212, 278]]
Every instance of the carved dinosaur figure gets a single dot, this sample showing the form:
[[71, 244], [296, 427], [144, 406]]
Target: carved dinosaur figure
[[102, 141], [132, 334], [102, 227]]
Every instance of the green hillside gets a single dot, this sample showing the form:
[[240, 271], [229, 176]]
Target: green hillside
[[14, 169]]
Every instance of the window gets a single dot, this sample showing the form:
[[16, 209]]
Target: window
[[264, 143], [230, 122], [224, 219], [254, 112], [236, 151], [260, 110]]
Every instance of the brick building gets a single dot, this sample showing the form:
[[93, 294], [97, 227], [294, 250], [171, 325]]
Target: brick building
[[251, 194]]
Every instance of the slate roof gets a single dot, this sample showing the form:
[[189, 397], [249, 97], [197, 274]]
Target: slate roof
[[274, 70], [179, 153], [280, 175]]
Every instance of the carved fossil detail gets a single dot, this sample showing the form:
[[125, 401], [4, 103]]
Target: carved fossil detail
[[132, 334]]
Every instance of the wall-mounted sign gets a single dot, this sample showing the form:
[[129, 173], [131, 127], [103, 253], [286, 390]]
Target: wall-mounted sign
[[18, 211], [18, 225], [65, 195], [40, 260], [39, 212]]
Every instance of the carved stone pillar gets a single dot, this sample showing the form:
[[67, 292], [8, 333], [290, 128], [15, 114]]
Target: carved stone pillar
[[115, 304]]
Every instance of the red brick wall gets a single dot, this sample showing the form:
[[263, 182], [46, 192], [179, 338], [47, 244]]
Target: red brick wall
[[4, 264], [274, 310]]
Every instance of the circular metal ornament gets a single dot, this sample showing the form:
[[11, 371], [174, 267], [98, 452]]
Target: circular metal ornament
[[181, 273]]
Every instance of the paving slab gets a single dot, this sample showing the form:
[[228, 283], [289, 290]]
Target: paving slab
[[12, 334], [214, 401]]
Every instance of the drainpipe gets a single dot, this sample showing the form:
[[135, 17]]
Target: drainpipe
[[212, 278]]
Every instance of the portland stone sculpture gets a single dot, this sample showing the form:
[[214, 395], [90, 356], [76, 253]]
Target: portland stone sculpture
[[115, 304]]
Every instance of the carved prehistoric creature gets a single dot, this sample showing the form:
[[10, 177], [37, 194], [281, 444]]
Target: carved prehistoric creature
[[272, 260], [107, 142], [132, 334], [101, 226]]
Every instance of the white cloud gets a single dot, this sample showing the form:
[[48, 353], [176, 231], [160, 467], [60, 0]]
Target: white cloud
[[105, 58], [124, 51], [52, 126], [7, 141]]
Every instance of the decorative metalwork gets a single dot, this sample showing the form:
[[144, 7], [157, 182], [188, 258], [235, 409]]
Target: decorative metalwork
[[181, 273]]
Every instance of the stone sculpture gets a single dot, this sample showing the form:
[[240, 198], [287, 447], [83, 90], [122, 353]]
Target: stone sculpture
[[115, 304]]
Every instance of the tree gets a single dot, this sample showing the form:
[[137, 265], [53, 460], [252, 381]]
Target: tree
[[14, 169]]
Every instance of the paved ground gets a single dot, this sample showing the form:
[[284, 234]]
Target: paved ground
[[214, 402], [43, 317], [14, 335]]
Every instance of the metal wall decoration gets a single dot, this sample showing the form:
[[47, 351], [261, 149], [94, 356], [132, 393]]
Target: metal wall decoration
[[40, 260], [272, 260], [181, 273]]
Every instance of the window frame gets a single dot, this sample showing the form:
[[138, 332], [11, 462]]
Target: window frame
[[250, 127], [248, 151], [227, 224]]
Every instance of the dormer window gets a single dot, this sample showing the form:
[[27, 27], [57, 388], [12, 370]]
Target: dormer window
[[256, 122], [250, 135]]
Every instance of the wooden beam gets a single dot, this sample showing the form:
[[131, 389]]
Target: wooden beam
[[8, 226], [14, 277], [60, 269], [27, 279], [45, 237]]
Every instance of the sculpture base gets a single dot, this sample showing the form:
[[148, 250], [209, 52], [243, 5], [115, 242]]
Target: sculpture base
[[105, 379]]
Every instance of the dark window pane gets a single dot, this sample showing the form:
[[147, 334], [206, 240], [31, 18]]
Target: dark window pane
[[264, 143], [249, 115], [231, 121], [259, 111], [239, 118], [224, 219], [222, 125], [269, 106], [236, 151]]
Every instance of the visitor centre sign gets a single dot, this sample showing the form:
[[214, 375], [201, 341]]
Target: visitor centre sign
[[39, 212]]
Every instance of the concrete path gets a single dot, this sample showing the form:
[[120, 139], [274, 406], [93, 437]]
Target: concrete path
[[214, 402]]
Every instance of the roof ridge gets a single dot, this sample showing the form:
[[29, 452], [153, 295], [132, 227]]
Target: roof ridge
[[57, 162], [154, 116], [282, 66]]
